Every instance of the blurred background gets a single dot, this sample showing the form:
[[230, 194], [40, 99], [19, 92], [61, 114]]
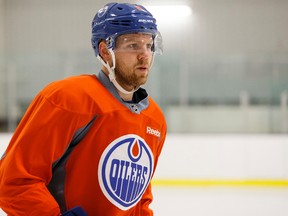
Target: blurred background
[[222, 83], [223, 60]]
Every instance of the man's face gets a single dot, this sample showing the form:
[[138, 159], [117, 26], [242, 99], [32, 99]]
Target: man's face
[[133, 54]]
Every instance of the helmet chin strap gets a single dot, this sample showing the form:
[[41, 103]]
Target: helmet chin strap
[[112, 76]]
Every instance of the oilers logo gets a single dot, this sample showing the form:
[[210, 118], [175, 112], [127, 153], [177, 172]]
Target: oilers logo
[[102, 11], [125, 170]]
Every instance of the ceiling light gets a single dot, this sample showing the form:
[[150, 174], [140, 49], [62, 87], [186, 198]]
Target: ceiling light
[[169, 12]]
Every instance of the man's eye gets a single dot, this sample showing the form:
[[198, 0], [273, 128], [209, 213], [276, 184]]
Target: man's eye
[[149, 46], [133, 46]]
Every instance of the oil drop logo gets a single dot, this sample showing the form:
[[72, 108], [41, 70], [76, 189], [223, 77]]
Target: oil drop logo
[[125, 170]]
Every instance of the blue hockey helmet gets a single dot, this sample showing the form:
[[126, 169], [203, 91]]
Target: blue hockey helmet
[[116, 19]]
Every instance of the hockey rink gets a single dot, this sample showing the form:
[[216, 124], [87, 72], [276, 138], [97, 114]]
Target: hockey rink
[[208, 175]]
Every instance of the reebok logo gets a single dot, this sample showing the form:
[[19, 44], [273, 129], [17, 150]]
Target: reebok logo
[[152, 131]]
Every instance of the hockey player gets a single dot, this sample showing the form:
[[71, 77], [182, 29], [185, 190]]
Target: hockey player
[[89, 144]]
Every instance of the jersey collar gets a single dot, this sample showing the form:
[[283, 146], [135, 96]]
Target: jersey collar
[[140, 97]]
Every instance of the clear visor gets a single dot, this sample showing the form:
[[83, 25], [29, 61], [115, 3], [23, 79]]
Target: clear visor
[[139, 42]]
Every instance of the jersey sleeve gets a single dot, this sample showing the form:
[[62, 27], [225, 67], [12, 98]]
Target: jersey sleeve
[[26, 168]]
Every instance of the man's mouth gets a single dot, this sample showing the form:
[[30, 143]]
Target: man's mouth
[[142, 67]]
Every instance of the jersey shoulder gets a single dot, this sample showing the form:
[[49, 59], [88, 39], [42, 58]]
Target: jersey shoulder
[[82, 93], [154, 111]]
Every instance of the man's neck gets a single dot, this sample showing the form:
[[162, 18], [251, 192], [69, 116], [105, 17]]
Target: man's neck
[[125, 97]]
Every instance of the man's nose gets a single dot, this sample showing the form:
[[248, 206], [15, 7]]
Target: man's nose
[[144, 52]]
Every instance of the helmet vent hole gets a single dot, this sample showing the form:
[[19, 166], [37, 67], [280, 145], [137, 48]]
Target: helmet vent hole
[[121, 22], [120, 8]]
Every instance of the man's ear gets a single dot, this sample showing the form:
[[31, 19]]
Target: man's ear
[[104, 52]]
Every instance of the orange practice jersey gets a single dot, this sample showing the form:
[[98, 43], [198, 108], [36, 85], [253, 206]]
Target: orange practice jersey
[[107, 173]]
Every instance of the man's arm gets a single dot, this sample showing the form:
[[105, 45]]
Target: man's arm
[[40, 139]]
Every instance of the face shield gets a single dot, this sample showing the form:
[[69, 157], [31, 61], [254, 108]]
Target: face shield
[[137, 43]]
